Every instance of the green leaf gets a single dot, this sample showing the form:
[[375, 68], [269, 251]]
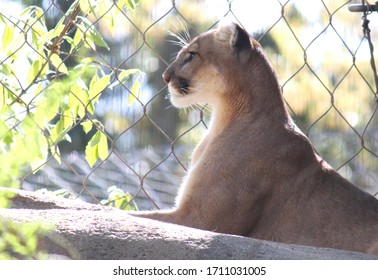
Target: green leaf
[[91, 155], [3, 19], [70, 41], [39, 27], [35, 12], [58, 63], [48, 104], [98, 86], [97, 147], [90, 108], [93, 81], [88, 60], [59, 27], [74, 105], [3, 97], [42, 155], [87, 126], [119, 199], [21, 240], [48, 36], [121, 4], [56, 153], [77, 39], [89, 43], [33, 70], [91, 151], [88, 6], [84, 6], [78, 99], [57, 131], [126, 73], [92, 35], [95, 139], [8, 35], [5, 195], [131, 4], [38, 30], [103, 147], [135, 91], [69, 119], [6, 135], [124, 76]]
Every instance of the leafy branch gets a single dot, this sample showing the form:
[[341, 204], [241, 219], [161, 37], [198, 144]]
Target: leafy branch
[[41, 97]]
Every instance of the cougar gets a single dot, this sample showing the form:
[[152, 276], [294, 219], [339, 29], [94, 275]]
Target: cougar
[[254, 173]]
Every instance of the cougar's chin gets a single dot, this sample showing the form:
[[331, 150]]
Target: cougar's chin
[[181, 100]]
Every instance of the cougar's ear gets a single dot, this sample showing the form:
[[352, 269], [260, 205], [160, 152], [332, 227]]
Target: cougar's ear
[[239, 40], [255, 44], [237, 36]]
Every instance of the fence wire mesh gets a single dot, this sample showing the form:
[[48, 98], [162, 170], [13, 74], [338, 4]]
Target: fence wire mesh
[[318, 48]]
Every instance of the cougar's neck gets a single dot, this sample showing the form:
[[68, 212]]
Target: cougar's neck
[[252, 94], [221, 117], [257, 92]]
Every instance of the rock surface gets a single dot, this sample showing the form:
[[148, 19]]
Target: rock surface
[[86, 231]]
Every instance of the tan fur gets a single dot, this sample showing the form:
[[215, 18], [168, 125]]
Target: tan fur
[[255, 173]]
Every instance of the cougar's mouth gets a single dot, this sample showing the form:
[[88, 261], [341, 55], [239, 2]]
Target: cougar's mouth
[[181, 93], [183, 86]]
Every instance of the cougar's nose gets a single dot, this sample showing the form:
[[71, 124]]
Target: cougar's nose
[[166, 77]]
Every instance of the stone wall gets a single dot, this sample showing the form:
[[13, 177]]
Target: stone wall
[[85, 231]]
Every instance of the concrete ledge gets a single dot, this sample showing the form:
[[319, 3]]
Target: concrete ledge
[[86, 231]]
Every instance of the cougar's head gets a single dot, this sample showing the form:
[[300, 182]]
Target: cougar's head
[[205, 70]]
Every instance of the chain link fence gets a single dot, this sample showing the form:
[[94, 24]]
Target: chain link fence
[[317, 47]]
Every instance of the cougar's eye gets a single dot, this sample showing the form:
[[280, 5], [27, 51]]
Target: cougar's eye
[[190, 57]]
